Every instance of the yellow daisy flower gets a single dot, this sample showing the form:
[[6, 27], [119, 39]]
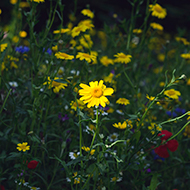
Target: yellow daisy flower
[[86, 41], [86, 24], [158, 11], [179, 39], [74, 105], [95, 94], [77, 30], [137, 31], [88, 13], [122, 58], [87, 57], [23, 147], [106, 61], [185, 55], [123, 101], [174, 94], [61, 55], [62, 31], [38, 1], [3, 47], [156, 26], [57, 86], [120, 125], [13, 1]]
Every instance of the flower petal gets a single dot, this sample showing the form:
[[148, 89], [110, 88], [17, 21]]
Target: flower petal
[[162, 151], [172, 145]]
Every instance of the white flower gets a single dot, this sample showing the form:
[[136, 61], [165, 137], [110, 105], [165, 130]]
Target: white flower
[[116, 179], [74, 155], [113, 137], [13, 84]]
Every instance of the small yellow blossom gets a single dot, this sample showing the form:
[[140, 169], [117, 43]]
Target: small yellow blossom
[[156, 26], [122, 58], [151, 98], [61, 31], [185, 55], [109, 78], [22, 34], [185, 42], [38, 1], [23, 147], [54, 48], [158, 11], [137, 31], [14, 65], [57, 86], [24, 4], [3, 47], [123, 101], [174, 94], [86, 41], [88, 13], [13, 2], [87, 149], [87, 57], [106, 61], [15, 39], [74, 104], [120, 125], [61, 55], [95, 94], [86, 24]]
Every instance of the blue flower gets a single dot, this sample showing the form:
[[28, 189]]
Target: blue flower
[[22, 49]]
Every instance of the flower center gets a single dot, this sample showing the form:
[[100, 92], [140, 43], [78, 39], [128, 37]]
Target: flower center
[[64, 55], [171, 92], [113, 136], [86, 55], [54, 83], [97, 92]]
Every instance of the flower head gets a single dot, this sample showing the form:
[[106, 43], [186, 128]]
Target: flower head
[[95, 94], [156, 26], [22, 34], [61, 55], [172, 145], [88, 13], [122, 58], [185, 55], [120, 125], [3, 47], [87, 57], [158, 11], [57, 86], [174, 94], [106, 61], [32, 164], [87, 149], [23, 147], [123, 101], [74, 155]]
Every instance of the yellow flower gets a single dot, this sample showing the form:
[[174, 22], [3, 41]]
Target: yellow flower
[[88, 13], [15, 39], [23, 147], [156, 26], [74, 105], [174, 94], [13, 1], [87, 57], [22, 34], [185, 55], [150, 97], [62, 31], [95, 94], [137, 31], [122, 58], [86, 41], [158, 11], [161, 57], [120, 125], [179, 39], [38, 1], [61, 55], [162, 84], [109, 78], [13, 65], [87, 149], [187, 131], [0, 11], [106, 61], [54, 48], [3, 47], [57, 86], [24, 4], [77, 30], [123, 101]]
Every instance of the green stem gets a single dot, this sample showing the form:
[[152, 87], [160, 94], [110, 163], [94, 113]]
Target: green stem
[[5, 101]]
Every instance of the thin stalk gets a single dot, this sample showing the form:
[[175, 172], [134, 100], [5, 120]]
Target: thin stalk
[[5, 101]]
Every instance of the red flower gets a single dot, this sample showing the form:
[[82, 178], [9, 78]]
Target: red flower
[[172, 145], [32, 164], [2, 187]]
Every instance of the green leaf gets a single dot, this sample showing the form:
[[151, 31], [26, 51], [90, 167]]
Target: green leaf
[[154, 182], [173, 77], [137, 136]]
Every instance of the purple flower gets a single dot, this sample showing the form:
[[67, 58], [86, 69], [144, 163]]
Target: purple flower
[[64, 118]]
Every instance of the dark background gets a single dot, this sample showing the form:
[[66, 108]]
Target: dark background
[[178, 13]]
